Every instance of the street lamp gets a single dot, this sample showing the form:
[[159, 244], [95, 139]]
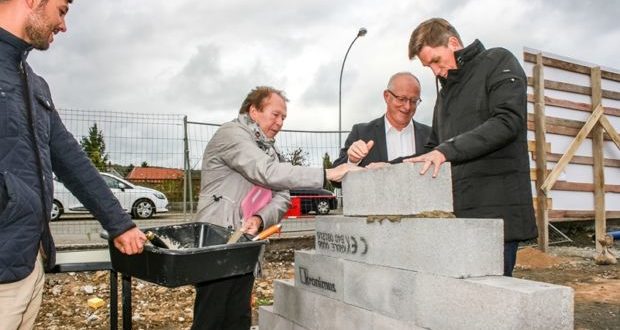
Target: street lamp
[[362, 32]]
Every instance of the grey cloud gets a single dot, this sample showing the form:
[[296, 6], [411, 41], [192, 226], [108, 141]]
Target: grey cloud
[[187, 56], [202, 82], [323, 90]]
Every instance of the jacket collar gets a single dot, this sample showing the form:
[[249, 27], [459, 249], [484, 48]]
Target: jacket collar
[[465, 55], [13, 47], [462, 57]]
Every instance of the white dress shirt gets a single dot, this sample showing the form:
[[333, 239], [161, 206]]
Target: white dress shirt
[[401, 143]]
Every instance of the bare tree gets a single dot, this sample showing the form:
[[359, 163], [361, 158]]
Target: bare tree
[[297, 157]]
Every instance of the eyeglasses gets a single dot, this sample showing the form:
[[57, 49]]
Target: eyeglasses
[[402, 99]]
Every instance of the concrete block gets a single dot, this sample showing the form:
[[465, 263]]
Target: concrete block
[[492, 302], [396, 190], [313, 311], [294, 304], [452, 247], [267, 319], [386, 290], [319, 273], [382, 322]]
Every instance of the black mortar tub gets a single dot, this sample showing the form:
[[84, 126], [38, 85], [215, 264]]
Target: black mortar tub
[[198, 253]]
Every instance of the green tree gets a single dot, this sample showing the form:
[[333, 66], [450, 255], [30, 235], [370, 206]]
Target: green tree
[[94, 146], [144, 164], [297, 157], [327, 163]]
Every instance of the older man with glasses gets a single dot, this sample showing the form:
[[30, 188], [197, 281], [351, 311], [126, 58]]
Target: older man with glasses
[[393, 135]]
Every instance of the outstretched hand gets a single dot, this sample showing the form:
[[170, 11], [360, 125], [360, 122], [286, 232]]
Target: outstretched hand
[[337, 173], [434, 158]]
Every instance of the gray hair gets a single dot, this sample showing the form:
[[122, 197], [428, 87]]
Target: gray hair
[[400, 74]]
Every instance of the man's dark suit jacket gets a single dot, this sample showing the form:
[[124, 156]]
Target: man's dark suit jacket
[[375, 130]]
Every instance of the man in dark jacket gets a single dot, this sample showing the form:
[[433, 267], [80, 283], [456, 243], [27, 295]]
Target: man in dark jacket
[[393, 135], [33, 144], [479, 125]]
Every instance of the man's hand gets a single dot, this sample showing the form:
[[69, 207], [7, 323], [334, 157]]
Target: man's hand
[[358, 150], [251, 225], [338, 172], [131, 241], [435, 158]]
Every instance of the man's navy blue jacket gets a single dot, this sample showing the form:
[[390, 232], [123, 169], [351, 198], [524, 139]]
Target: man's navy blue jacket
[[33, 143]]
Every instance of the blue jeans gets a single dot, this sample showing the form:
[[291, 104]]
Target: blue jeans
[[510, 257]]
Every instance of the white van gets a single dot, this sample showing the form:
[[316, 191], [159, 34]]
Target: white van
[[140, 202]]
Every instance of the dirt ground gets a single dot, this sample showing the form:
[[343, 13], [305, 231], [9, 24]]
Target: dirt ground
[[597, 291]]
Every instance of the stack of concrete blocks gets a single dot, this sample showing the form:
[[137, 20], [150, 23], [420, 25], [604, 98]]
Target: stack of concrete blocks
[[409, 272]]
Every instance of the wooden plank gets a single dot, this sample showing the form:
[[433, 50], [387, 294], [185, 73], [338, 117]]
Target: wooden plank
[[533, 174], [556, 63], [573, 215], [583, 186], [581, 160], [612, 95], [548, 202], [573, 88], [542, 218], [567, 87], [611, 131], [569, 66], [531, 146], [579, 106], [570, 123], [600, 223], [562, 130], [583, 133], [560, 126], [610, 75]]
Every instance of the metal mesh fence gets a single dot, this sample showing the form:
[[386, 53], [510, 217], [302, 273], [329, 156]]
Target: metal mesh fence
[[132, 138], [165, 142], [314, 144], [171, 142]]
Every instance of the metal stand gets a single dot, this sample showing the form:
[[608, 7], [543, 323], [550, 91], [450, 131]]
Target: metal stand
[[126, 287], [113, 300]]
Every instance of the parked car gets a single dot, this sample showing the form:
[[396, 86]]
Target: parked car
[[140, 202], [321, 201]]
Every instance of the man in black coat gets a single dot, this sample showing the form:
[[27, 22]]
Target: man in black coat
[[479, 125], [34, 143], [392, 135]]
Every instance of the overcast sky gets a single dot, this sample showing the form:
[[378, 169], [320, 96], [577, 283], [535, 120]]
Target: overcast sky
[[200, 58]]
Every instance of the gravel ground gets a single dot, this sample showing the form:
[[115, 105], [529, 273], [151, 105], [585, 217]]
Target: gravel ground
[[65, 306]]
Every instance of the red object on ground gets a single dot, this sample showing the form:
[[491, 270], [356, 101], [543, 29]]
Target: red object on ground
[[295, 209]]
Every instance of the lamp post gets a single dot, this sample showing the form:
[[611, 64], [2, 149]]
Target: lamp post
[[362, 32]]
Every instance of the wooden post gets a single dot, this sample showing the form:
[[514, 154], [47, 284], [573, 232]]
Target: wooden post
[[583, 133], [600, 226], [542, 213]]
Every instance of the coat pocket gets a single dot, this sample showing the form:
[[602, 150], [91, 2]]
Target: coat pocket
[[19, 203], [43, 117], [8, 113]]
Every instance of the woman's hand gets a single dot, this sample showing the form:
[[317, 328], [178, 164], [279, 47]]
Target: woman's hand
[[251, 225], [338, 172]]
